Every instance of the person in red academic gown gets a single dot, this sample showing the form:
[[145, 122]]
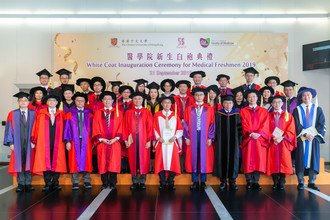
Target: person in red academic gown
[[138, 133], [182, 101], [84, 84], [197, 77], [98, 86], [124, 103], [78, 134], [17, 136], [36, 96], [255, 139], [223, 81], [199, 133], [274, 81], [249, 74], [282, 142], [107, 131], [47, 136], [168, 129]]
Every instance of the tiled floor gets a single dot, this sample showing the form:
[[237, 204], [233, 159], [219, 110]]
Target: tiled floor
[[152, 204]]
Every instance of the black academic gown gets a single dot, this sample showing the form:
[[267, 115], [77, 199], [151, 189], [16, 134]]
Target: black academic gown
[[228, 139]]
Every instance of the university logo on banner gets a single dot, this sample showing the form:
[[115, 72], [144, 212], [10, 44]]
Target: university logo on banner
[[114, 41]]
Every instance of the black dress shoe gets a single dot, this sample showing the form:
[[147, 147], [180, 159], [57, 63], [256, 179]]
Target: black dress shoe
[[280, 186], [162, 187], [113, 187], [142, 186], [20, 188], [194, 186], [300, 186], [29, 188], [313, 186], [248, 186], [56, 187], [134, 186], [203, 185], [104, 186], [75, 186], [233, 187], [87, 186], [256, 186], [223, 186], [46, 188], [171, 187], [274, 187]]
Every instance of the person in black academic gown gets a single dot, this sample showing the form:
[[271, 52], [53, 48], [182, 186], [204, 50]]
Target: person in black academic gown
[[64, 75], [228, 138], [44, 78]]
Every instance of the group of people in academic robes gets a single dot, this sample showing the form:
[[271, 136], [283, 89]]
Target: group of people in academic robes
[[199, 130]]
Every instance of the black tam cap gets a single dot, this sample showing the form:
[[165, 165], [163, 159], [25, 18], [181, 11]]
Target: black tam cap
[[170, 81], [214, 88], [153, 85], [141, 81], [251, 91], [98, 79], [289, 83], [198, 89], [80, 94], [44, 72], [63, 72], [51, 96], [166, 97], [115, 83], [270, 99], [105, 93], [227, 98], [237, 90], [188, 83], [143, 95], [272, 78], [123, 88], [80, 80], [68, 87], [202, 73], [222, 76], [251, 70], [267, 88], [38, 88], [20, 95]]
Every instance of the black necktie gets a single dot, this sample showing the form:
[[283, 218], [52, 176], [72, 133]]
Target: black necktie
[[80, 122]]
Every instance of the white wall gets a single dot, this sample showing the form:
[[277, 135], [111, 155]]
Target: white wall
[[26, 48]]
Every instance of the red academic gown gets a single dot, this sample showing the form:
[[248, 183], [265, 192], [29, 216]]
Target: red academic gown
[[254, 152], [207, 128], [37, 106], [80, 155], [145, 130], [94, 102], [108, 156], [40, 137], [279, 156], [177, 128]]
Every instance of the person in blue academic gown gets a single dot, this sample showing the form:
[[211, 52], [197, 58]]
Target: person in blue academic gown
[[17, 136], [310, 130]]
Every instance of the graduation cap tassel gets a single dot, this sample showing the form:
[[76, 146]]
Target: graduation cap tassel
[[117, 111], [262, 101], [208, 98], [295, 91], [286, 111], [175, 109], [145, 103]]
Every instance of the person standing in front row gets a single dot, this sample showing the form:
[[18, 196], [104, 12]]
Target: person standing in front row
[[255, 140], [199, 134], [138, 134], [17, 136], [78, 135], [310, 129]]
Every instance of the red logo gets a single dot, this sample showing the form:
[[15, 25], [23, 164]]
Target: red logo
[[114, 41]]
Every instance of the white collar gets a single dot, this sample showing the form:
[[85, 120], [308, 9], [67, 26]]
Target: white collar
[[108, 108], [52, 109], [82, 109], [138, 107], [23, 110], [199, 103], [279, 111], [253, 106], [304, 105], [183, 96], [164, 112]]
